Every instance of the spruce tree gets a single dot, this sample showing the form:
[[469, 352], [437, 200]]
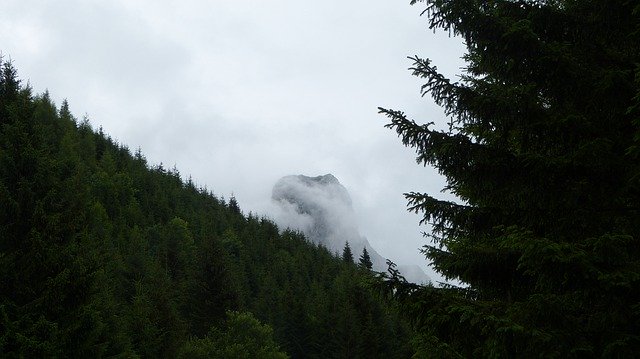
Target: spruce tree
[[365, 260], [542, 151], [347, 255], [233, 204]]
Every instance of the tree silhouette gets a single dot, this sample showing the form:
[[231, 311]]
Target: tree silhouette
[[365, 260], [542, 150], [347, 255]]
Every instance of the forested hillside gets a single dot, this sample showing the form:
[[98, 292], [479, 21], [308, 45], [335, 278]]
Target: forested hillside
[[102, 254]]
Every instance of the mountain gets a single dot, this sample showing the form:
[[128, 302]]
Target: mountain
[[322, 209]]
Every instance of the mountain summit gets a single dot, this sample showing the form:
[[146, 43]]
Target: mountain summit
[[321, 208]]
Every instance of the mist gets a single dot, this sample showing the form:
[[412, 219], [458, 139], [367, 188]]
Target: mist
[[321, 208]]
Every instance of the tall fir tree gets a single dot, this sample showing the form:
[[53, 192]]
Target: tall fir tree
[[347, 254], [543, 152], [365, 260]]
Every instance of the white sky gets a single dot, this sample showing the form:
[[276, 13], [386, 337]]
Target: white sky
[[240, 93]]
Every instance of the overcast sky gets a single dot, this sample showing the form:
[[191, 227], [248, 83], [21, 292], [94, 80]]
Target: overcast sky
[[240, 93]]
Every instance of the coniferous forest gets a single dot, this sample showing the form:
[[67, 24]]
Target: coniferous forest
[[105, 255]]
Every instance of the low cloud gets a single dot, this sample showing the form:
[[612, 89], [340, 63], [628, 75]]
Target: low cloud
[[321, 208]]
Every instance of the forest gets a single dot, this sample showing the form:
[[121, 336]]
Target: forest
[[105, 255]]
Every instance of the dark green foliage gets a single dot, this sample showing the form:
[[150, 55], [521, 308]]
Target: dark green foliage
[[542, 150], [365, 260], [233, 204], [207, 302], [243, 336], [102, 255], [347, 255]]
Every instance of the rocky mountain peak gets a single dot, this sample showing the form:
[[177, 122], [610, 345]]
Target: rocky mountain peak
[[321, 208]]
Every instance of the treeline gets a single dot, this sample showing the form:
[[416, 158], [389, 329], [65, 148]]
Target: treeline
[[102, 254]]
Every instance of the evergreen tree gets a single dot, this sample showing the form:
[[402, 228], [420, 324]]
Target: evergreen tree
[[242, 337], [347, 255], [233, 204], [543, 152], [365, 260], [9, 87]]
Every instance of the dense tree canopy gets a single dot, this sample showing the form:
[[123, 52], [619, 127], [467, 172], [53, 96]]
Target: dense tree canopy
[[543, 152]]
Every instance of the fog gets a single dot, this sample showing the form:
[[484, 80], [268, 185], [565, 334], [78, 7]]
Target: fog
[[322, 209]]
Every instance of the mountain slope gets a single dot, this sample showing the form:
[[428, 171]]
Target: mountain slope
[[102, 254]]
